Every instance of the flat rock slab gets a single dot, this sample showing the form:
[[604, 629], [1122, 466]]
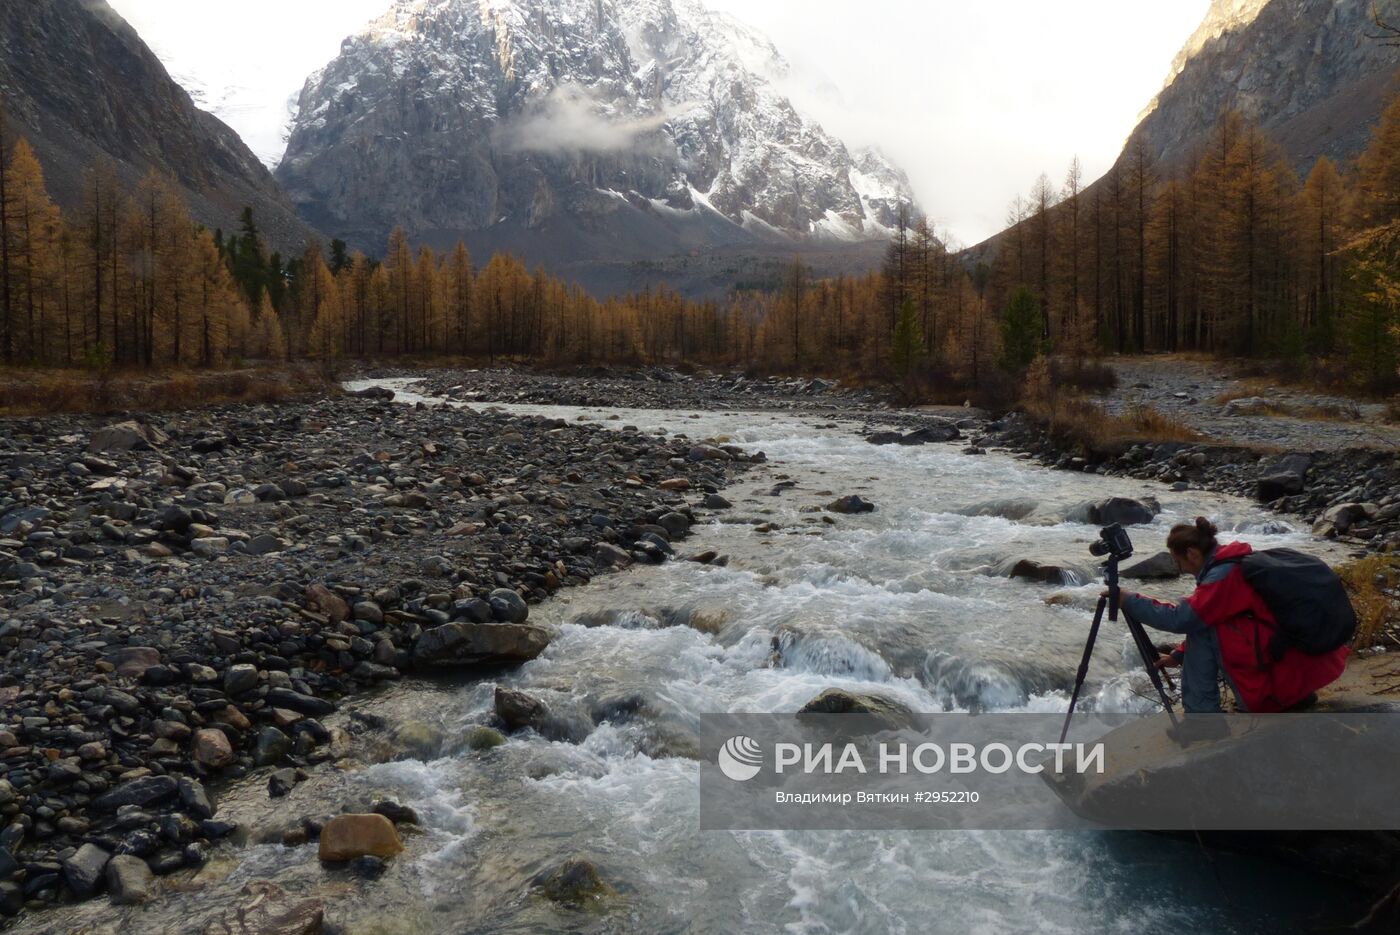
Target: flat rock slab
[[1242, 772], [148, 790], [459, 644], [129, 880], [265, 909], [126, 436]]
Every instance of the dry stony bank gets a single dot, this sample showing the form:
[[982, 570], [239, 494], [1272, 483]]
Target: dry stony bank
[[1351, 495], [643, 388], [1340, 478], [183, 598]]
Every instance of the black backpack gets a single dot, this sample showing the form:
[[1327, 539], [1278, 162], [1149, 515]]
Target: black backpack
[[1306, 597]]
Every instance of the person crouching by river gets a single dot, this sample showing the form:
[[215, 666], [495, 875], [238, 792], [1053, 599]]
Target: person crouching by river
[[1228, 629]]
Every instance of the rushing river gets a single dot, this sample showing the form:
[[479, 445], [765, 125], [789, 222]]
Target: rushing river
[[906, 602]]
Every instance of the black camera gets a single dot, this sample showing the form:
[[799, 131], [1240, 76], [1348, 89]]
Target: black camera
[[1114, 542]]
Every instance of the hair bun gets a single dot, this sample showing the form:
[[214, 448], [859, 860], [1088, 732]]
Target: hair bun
[[1206, 526]]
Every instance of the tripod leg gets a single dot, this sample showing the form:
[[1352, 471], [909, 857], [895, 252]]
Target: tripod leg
[[1149, 660], [1083, 665]]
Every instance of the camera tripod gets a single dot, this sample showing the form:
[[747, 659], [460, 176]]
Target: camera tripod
[[1140, 639]]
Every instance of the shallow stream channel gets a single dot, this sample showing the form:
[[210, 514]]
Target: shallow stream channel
[[912, 601]]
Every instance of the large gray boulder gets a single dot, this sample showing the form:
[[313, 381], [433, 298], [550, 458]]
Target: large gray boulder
[[890, 713], [126, 436], [851, 504], [1124, 510], [575, 883], [466, 644], [1283, 477], [518, 710], [507, 606], [940, 431], [1337, 520], [1159, 566], [1032, 570], [1239, 771]]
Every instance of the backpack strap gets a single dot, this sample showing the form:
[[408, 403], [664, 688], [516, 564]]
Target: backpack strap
[[1213, 564], [1278, 642]]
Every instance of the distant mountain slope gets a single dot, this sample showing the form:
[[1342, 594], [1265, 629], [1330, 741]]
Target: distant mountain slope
[[1304, 69], [80, 84], [574, 132]]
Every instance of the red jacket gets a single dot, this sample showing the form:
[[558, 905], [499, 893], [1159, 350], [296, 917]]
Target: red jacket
[[1244, 625]]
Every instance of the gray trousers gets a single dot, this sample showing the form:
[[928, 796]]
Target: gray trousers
[[1201, 673]]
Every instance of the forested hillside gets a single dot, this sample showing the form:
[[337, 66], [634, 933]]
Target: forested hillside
[[130, 279], [1233, 254]]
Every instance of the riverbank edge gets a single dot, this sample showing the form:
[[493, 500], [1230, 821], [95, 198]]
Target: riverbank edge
[[1315, 486], [132, 684]]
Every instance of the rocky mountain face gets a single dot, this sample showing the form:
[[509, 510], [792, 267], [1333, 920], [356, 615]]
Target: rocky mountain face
[[574, 132], [80, 84], [1305, 69]]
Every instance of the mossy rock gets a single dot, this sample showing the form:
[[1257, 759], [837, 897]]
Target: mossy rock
[[576, 883], [418, 740], [481, 737]]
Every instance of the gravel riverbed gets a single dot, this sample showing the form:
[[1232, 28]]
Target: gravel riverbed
[[183, 597]]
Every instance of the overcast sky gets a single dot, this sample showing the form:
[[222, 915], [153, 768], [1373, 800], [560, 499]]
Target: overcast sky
[[973, 99]]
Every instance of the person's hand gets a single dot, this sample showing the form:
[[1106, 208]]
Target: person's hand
[[1167, 661]]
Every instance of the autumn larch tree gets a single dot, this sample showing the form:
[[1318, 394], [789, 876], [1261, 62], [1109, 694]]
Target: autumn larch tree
[[7, 315], [1321, 214], [457, 293], [908, 342], [1143, 179], [897, 269], [33, 226], [1042, 201], [399, 261], [1069, 251]]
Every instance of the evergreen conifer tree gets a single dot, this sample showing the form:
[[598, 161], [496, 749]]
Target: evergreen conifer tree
[[1020, 331]]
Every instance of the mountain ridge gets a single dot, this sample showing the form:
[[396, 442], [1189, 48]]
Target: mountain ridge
[[82, 85], [1304, 69], [573, 131]]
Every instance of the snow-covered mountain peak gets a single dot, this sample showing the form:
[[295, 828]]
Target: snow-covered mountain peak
[[542, 112]]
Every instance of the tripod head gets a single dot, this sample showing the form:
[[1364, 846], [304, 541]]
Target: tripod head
[[1113, 541]]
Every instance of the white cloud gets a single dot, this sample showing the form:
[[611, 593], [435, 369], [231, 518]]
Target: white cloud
[[975, 99], [570, 119]]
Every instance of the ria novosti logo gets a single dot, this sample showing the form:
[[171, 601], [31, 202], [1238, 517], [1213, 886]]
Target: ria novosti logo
[[740, 758]]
